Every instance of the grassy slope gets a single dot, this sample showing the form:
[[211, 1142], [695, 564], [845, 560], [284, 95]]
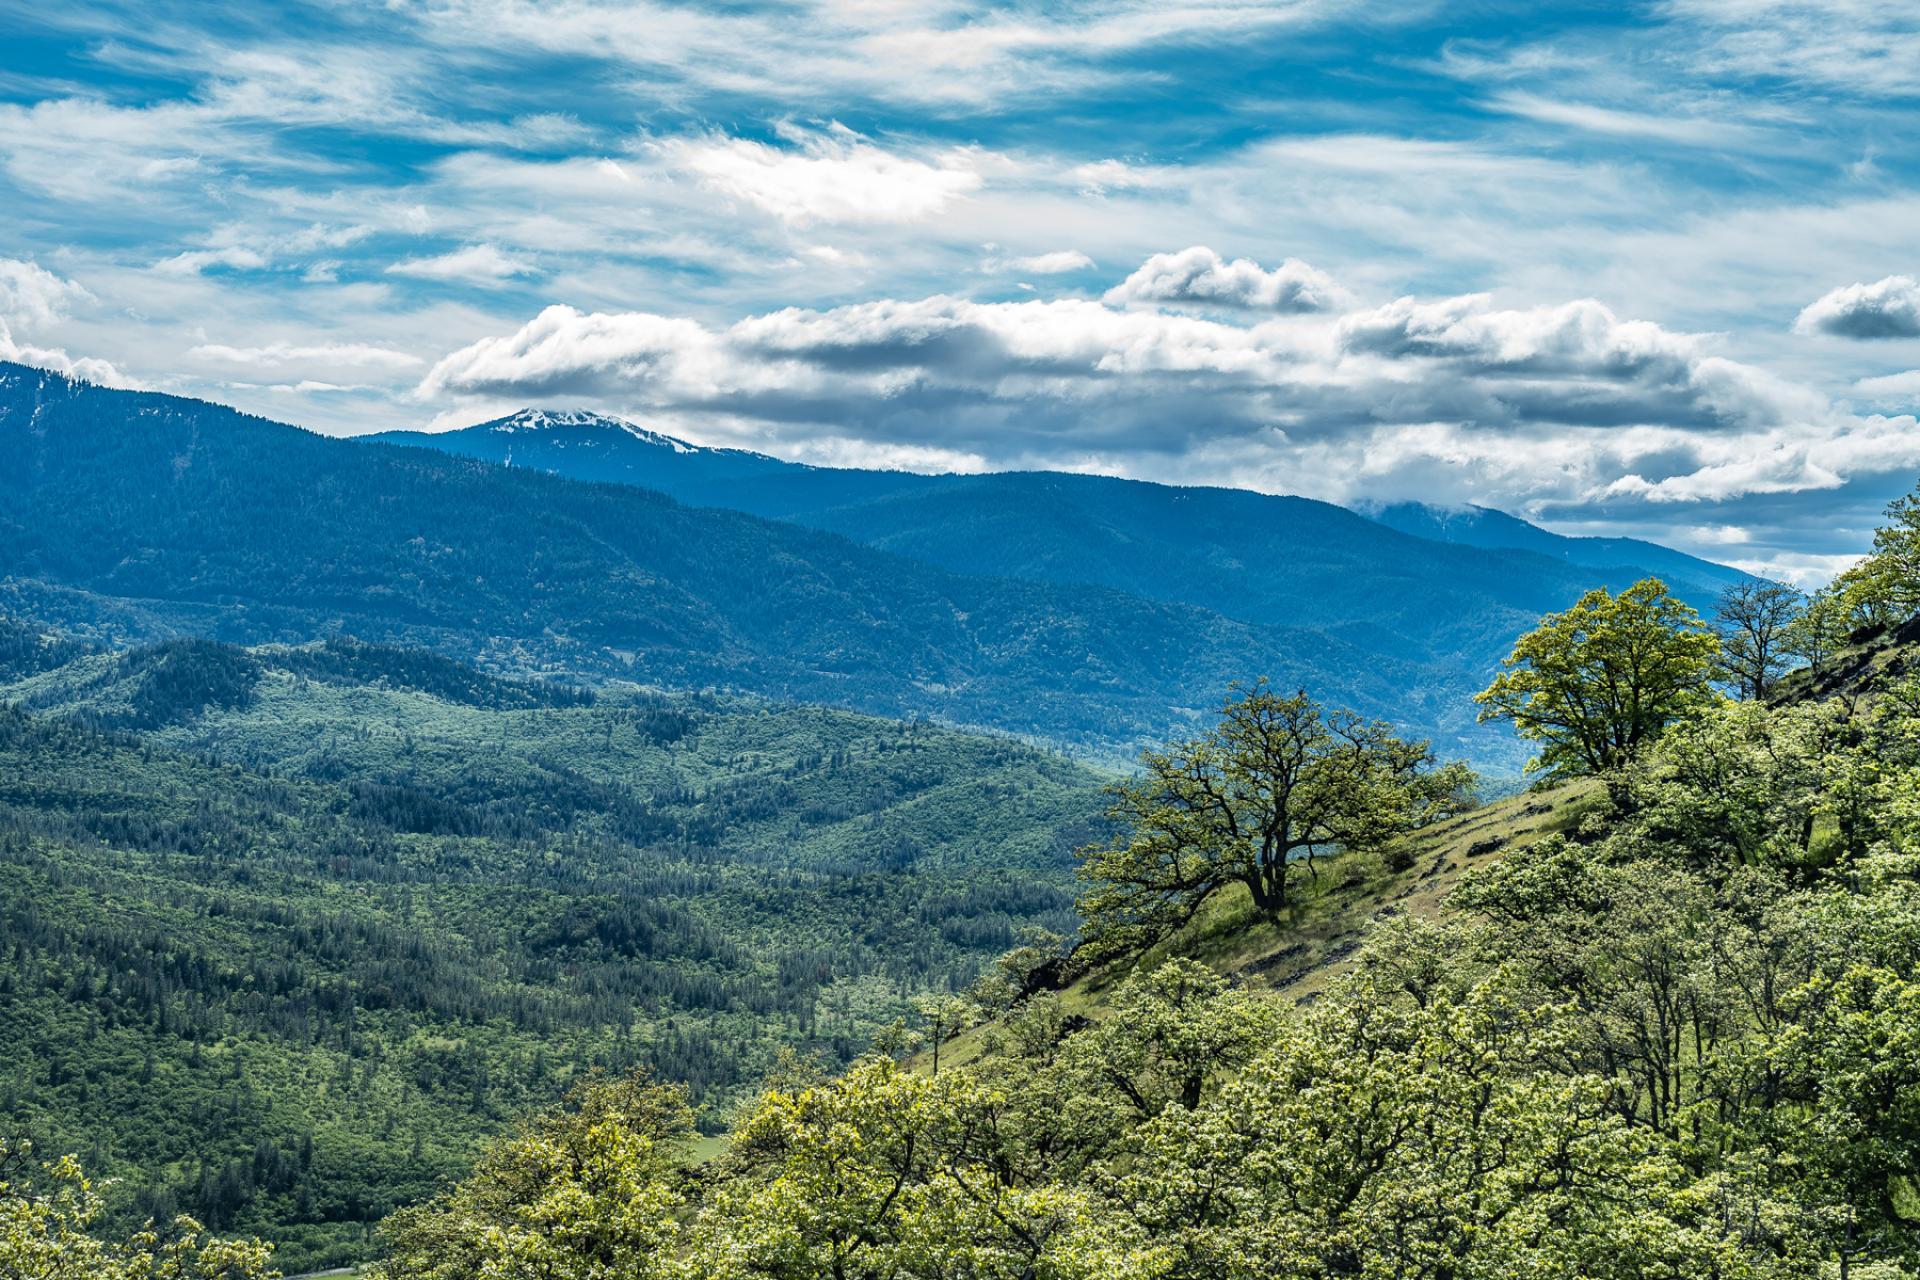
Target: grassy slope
[[1300, 955]]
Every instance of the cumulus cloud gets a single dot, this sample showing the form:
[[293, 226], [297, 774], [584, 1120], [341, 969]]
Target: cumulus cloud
[[1439, 398], [32, 298], [86, 367], [475, 264], [833, 175], [1805, 571], [1200, 277], [1888, 308], [32, 295], [1891, 388]]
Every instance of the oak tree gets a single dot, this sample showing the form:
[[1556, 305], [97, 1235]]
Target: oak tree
[[1594, 683], [1277, 782]]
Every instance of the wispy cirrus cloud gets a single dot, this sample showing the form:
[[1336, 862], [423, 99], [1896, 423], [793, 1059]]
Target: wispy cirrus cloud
[[474, 263], [1686, 128], [285, 353], [832, 175]]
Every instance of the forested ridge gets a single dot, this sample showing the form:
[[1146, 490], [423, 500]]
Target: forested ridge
[[136, 516], [1437, 597]]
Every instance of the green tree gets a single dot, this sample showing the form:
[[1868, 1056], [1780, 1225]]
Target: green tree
[[1278, 781], [945, 1016], [586, 1191], [1870, 591], [1896, 555], [1820, 630], [1384, 1137], [46, 1233], [1753, 621], [885, 1174], [1594, 683], [1170, 1034]]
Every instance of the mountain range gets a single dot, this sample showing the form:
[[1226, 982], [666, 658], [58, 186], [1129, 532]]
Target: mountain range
[[1443, 589], [1089, 612]]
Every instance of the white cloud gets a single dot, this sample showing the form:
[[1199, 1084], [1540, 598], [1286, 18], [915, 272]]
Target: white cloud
[[1056, 263], [943, 52], [33, 298], [85, 367], [1891, 388], [1199, 277], [1805, 571], [335, 353], [195, 261], [1098, 177], [1888, 308], [829, 176], [32, 295], [1863, 47], [1442, 398], [1677, 126], [475, 263], [1720, 535]]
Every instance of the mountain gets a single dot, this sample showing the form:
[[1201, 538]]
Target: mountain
[[1447, 596], [132, 514], [1496, 530], [288, 932]]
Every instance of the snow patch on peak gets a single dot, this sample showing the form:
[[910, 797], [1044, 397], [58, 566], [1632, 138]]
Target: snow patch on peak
[[654, 437], [548, 419]]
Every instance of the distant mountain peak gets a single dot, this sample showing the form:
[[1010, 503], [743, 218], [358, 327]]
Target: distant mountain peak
[[531, 420]]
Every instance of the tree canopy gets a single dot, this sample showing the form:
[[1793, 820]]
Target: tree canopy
[[1279, 781], [1596, 682], [1754, 621], [49, 1215]]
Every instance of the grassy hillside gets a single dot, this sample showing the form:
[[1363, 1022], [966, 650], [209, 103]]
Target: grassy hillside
[[1660, 1027], [288, 932], [1298, 958]]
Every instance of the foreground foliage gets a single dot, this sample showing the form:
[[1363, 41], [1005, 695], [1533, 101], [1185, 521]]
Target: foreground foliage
[[47, 1216]]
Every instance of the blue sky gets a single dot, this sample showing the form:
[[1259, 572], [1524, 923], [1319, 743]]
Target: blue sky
[[1645, 269]]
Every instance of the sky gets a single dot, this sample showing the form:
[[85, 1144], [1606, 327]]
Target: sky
[[1647, 269]]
